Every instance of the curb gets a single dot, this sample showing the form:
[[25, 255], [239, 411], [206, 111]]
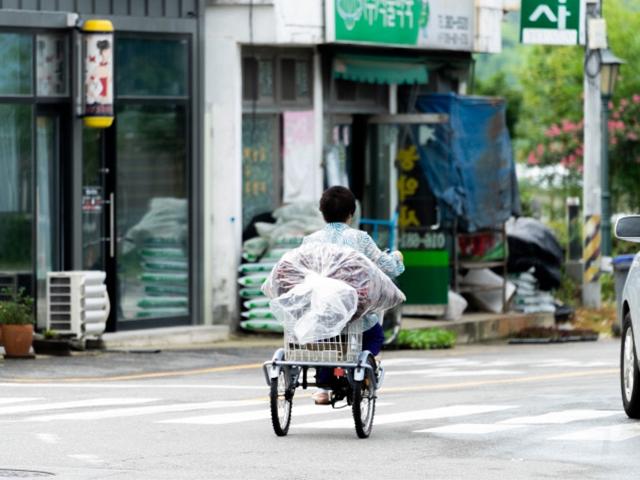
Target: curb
[[480, 327]]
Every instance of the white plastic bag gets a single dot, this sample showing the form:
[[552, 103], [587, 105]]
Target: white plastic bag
[[304, 272], [316, 309], [456, 306]]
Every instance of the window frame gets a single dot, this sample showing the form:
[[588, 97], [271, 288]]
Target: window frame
[[277, 104]]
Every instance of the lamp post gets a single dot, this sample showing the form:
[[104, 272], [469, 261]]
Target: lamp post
[[609, 66]]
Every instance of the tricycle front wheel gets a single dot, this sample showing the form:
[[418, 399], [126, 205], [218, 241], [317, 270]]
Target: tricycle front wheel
[[281, 402], [364, 404]]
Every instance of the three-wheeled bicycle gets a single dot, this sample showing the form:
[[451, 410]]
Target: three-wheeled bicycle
[[356, 376]]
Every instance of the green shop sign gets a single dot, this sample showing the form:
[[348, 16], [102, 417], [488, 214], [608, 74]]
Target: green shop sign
[[551, 22], [424, 24]]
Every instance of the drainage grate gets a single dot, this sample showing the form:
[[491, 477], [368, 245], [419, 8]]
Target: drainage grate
[[5, 473]]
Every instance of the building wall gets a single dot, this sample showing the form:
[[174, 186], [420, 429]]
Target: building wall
[[140, 8], [229, 25]]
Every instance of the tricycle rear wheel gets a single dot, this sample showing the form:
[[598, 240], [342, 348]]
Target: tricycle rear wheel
[[281, 402]]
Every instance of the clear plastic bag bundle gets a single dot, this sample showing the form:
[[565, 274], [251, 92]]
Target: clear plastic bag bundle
[[312, 290], [315, 309]]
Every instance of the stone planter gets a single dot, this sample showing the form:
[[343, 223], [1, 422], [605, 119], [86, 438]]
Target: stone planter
[[17, 340]]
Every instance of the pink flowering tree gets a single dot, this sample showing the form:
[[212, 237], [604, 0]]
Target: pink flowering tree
[[562, 145]]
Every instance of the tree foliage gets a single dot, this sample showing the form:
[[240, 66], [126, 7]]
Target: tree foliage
[[549, 127]]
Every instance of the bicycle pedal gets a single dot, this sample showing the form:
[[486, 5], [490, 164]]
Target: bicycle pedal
[[333, 405]]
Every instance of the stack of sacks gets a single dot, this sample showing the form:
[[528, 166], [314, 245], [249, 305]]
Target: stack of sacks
[[529, 298], [293, 223], [160, 239], [315, 290]]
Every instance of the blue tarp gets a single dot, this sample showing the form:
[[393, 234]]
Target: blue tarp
[[468, 161]]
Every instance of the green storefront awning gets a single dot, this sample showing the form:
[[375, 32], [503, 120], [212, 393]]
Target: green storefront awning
[[378, 69]]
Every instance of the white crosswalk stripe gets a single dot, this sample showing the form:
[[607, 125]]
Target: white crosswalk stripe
[[413, 416], [8, 401], [248, 416], [609, 433], [564, 416], [96, 402], [470, 428], [449, 372], [147, 410], [581, 425]]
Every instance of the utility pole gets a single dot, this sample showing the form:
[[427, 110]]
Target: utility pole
[[591, 193]]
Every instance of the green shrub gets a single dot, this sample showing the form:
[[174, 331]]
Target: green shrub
[[426, 339], [16, 311], [608, 287]]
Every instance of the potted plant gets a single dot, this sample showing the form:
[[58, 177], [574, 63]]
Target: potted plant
[[16, 320]]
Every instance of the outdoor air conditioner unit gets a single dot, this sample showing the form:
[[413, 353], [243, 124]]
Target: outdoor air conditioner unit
[[77, 303]]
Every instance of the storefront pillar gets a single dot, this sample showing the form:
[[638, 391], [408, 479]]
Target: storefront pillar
[[318, 109]]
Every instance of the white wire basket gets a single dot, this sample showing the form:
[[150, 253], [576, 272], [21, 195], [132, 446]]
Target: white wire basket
[[342, 348]]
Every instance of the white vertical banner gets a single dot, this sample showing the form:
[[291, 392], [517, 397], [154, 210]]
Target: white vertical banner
[[299, 157]]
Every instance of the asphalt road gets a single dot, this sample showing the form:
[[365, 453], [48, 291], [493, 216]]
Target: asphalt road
[[484, 412]]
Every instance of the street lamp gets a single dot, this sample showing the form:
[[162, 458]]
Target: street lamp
[[609, 66]]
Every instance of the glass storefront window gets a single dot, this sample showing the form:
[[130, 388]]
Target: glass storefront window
[[16, 194], [260, 162], [16, 73], [92, 201], [51, 65], [152, 212], [152, 67]]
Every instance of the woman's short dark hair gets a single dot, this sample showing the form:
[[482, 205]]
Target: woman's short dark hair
[[337, 204]]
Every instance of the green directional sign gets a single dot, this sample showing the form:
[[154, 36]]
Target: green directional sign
[[551, 22]]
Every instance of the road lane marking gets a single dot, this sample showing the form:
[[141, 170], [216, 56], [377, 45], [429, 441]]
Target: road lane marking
[[132, 386], [504, 381], [472, 373], [442, 362], [450, 372], [249, 416], [87, 457], [137, 376], [470, 429], [612, 433], [7, 401], [573, 364], [50, 438], [561, 417], [414, 415], [94, 402], [147, 410]]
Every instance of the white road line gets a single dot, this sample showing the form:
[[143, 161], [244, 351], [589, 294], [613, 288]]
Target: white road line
[[132, 386], [7, 401], [561, 417], [148, 410], [470, 428], [443, 362], [249, 416], [50, 438], [450, 372], [422, 371], [415, 415], [574, 364], [88, 458], [477, 373], [612, 433], [94, 402]]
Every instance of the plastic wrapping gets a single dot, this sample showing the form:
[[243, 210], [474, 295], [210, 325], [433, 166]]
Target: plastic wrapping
[[317, 289]]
